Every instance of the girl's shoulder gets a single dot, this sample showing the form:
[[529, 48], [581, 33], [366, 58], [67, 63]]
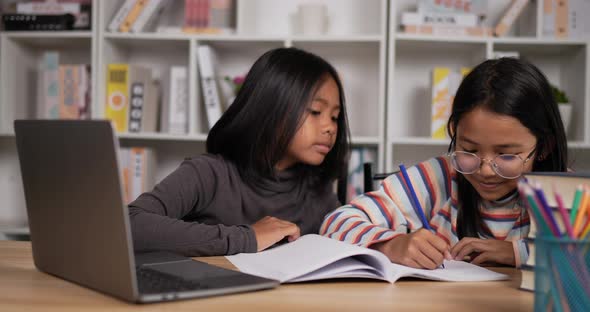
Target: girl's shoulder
[[212, 162]]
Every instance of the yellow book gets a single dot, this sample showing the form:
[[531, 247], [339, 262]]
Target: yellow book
[[445, 83], [133, 15], [117, 103]]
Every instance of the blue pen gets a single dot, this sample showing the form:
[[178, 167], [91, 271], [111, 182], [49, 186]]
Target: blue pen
[[414, 200]]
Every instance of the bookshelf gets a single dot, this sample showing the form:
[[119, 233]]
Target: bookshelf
[[386, 74], [354, 43], [411, 58]]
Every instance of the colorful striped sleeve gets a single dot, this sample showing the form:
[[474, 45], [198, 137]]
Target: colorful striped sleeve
[[387, 212]]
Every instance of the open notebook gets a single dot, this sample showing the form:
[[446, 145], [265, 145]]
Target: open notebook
[[314, 257]]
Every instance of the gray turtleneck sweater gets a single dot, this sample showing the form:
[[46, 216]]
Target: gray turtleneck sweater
[[204, 208]]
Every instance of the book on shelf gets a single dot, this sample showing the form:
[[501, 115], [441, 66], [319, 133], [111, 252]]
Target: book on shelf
[[148, 16], [37, 22], [132, 16], [49, 85], [312, 257], [507, 20], [448, 30], [82, 10], [144, 105], [64, 90], [439, 18], [137, 167], [566, 18], [174, 117], [207, 63], [120, 15], [477, 7], [120, 78], [209, 16], [445, 82]]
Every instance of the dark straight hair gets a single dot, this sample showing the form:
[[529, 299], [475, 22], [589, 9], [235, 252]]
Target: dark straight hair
[[271, 105], [515, 88]]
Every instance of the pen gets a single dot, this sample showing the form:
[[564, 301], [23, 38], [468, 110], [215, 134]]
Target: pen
[[414, 200]]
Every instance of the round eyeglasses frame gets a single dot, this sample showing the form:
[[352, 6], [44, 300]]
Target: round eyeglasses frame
[[492, 162]]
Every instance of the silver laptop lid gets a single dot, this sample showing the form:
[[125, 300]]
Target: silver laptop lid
[[77, 217]]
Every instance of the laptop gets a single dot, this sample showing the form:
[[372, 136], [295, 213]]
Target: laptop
[[79, 222]]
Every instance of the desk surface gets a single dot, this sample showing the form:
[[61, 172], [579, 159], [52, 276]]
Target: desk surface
[[23, 288]]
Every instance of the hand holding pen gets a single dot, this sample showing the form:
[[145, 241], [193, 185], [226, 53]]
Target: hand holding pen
[[420, 249]]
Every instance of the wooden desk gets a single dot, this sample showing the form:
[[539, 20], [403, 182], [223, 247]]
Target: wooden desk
[[23, 288]]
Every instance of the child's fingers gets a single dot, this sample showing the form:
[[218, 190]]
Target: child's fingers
[[425, 261], [468, 248], [481, 258], [460, 245], [434, 254]]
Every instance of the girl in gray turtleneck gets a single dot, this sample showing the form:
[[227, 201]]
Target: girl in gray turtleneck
[[268, 175]]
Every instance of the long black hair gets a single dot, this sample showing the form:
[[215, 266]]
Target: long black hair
[[257, 128], [516, 88]]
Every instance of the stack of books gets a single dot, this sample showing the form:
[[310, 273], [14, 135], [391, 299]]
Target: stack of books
[[459, 18], [48, 16]]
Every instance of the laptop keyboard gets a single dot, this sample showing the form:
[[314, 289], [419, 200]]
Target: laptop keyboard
[[150, 281]]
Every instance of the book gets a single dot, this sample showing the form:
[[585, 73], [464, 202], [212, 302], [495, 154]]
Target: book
[[37, 22], [510, 17], [175, 110], [435, 18], [144, 106], [148, 15], [207, 61], [138, 171], [566, 18], [80, 11], [314, 257], [478, 7], [445, 82], [448, 30], [48, 101], [132, 15], [120, 16], [527, 278]]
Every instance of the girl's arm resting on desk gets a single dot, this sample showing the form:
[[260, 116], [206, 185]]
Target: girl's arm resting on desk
[[156, 232], [156, 216]]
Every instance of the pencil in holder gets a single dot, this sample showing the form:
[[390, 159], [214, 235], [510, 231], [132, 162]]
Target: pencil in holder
[[562, 274]]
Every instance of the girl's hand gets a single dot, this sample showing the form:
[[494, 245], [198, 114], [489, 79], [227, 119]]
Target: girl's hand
[[484, 250], [270, 230], [421, 249]]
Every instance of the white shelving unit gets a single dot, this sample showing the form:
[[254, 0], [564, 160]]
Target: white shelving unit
[[356, 44], [411, 59]]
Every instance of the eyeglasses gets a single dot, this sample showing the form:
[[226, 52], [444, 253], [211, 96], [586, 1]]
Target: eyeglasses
[[508, 166]]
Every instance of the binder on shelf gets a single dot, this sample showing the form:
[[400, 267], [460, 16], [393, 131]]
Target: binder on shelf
[[144, 106], [175, 112], [209, 89], [508, 19]]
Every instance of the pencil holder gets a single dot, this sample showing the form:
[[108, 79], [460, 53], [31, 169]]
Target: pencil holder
[[562, 274]]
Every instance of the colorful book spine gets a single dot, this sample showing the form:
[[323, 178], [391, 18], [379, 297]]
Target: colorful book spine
[[117, 99], [510, 17], [150, 13], [49, 107], [445, 83], [133, 15], [120, 16], [70, 94]]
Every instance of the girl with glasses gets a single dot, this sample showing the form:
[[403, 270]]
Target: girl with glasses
[[504, 122]]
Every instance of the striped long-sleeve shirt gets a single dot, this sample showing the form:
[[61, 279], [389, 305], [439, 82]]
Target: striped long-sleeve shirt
[[387, 212]]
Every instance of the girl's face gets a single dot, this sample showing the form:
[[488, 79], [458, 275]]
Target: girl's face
[[488, 135], [316, 136]]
